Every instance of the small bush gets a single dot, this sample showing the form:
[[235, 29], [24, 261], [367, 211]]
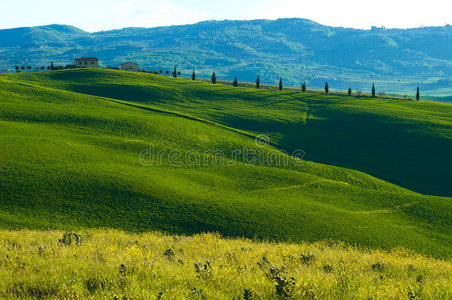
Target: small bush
[[203, 271], [93, 284], [285, 286], [307, 258], [247, 294], [70, 238], [328, 268], [378, 267], [122, 269], [169, 253], [420, 279]]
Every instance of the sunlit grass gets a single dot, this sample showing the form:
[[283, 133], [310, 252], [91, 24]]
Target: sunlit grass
[[108, 264], [401, 141]]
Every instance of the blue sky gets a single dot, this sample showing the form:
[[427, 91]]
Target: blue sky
[[96, 15]]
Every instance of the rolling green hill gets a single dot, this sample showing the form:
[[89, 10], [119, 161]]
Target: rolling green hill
[[403, 142], [75, 145]]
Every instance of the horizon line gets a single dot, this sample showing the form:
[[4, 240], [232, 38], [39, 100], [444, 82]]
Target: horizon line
[[238, 20]]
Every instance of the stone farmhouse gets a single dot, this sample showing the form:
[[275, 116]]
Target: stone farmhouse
[[129, 66], [87, 62]]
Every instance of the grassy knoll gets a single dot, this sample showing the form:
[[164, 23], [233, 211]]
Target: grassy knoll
[[404, 142], [107, 264], [71, 160]]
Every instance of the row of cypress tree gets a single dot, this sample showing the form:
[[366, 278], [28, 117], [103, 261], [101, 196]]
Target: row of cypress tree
[[235, 83]]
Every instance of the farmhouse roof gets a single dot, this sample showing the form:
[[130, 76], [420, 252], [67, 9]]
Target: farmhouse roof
[[129, 62], [87, 59]]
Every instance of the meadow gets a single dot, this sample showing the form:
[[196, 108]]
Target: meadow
[[111, 264], [71, 158], [404, 142]]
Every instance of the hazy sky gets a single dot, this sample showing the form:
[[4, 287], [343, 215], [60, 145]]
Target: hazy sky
[[95, 15]]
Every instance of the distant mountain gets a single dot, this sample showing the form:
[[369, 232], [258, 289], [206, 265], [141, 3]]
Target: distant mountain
[[297, 50], [29, 37]]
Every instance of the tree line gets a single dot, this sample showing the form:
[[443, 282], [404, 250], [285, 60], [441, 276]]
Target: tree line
[[235, 83], [51, 67]]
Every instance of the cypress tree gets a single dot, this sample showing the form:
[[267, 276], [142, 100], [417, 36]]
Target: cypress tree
[[175, 72], [349, 91], [327, 88], [214, 78], [373, 90], [258, 82], [418, 95], [280, 84], [303, 87], [235, 83], [193, 76]]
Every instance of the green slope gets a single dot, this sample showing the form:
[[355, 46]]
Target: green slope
[[404, 142], [71, 160]]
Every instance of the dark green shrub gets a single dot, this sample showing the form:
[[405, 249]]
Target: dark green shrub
[[93, 284], [70, 238], [285, 285], [247, 294], [307, 258], [378, 267], [122, 269], [328, 268], [203, 271], [169, 253]]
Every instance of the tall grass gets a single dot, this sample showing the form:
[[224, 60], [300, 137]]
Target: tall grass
[[109, 264]]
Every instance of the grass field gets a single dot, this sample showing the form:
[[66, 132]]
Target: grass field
[[404, 142], [116, 265], [70, 159]]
